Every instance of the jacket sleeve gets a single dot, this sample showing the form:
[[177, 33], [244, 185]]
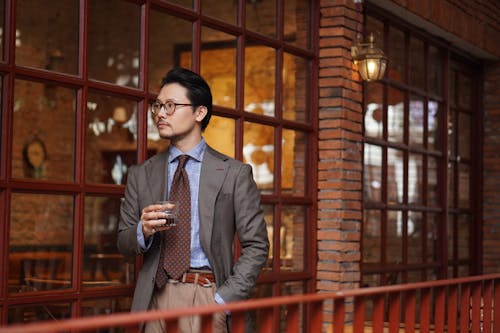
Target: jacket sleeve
[[129, 216]]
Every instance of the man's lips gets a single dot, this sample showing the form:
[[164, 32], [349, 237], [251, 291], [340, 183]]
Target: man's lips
[[162, 124]]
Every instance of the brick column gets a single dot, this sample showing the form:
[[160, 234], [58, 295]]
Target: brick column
[[340, 148], [491, 170]]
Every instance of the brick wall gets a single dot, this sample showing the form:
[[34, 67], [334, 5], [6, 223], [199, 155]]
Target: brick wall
[[340, 159]]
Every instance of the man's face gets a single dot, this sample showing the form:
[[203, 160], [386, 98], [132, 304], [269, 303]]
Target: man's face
[[183, 122]]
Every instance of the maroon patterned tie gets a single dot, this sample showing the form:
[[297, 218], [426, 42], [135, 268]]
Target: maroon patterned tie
[[176, 241]]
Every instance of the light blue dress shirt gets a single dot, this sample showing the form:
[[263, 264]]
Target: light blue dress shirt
[[193, 169]]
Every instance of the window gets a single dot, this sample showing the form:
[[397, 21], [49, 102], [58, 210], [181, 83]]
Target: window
[[80, 118], [419, 216]]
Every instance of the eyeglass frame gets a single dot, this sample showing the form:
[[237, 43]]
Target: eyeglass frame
[[164, 106]]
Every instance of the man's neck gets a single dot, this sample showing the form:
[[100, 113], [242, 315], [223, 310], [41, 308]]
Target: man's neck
[[187, 143]]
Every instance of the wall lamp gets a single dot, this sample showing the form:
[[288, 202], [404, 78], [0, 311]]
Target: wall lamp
[[371, 60]]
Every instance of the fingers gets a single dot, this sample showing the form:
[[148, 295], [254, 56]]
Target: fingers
[[153, 220]]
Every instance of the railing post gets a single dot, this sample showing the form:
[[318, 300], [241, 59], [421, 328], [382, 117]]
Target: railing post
[[488, 305], [452, 307], [394, 312], [359, 314], [409, 306], [292, 318], [496, 302], [439, 309], [425, 310], [316, 324], [338, 315], [476, 306], [464, 308]]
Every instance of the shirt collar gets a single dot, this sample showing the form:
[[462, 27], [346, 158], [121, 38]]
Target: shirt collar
[[196, 153]]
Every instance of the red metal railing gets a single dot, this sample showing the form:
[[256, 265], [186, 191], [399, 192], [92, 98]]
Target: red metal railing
[[453, 305]]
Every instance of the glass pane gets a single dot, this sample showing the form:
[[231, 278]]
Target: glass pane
[[433, 125], [451, 184], [375, 26], [40, 241], [47, 39], [415, 180], [397, 55], [260, 68], [269, 218], [464, 186], [451, 232], [2, 26], [223, 10], [292, 238], [417, 63], [262, 291], [452, 87], [464, 136], [261, 17], [463, 237], [1, 111], [370, 280], [113, 56], [463, 271], [258, 151], [297, 22], [435, 70], [111, 141], [432, 181], [394, 240], [295, 88], [218, 66], [416, 126], [42, 312], [452, 132], [372, 171], [372, 222], [432, 246], [165, 53], [103, 265], [294, 162], [464, 91], [395, 115], [106, 306], [374, 113], [43, 149], [220, 134], [395, 176], [415, 237]]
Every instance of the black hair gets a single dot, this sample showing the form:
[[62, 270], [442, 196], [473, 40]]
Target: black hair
[[199, 93]]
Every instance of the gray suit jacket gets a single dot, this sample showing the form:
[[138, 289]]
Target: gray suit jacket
[[229, 204]]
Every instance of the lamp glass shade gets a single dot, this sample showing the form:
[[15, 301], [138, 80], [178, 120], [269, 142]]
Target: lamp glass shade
[[372, 68]]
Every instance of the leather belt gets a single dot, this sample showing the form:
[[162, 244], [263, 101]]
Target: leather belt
[[204, 279]]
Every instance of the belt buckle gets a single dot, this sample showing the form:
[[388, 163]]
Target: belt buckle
[[207, 283]]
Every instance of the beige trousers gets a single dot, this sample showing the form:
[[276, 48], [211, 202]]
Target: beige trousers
[[184, 295]]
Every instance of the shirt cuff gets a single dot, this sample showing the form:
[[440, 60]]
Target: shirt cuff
[[143, 243], [218, 299]]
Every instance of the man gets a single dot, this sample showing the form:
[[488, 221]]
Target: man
[[223, 200]]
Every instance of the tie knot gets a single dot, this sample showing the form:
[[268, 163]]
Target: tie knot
[[182, 160]]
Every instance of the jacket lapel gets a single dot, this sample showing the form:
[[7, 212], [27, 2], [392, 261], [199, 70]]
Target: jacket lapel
[[213, 173]]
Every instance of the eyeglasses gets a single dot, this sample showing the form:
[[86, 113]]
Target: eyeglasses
[[168, 107]]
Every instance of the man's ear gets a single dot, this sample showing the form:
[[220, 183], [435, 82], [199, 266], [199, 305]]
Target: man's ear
[[201, 112]]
